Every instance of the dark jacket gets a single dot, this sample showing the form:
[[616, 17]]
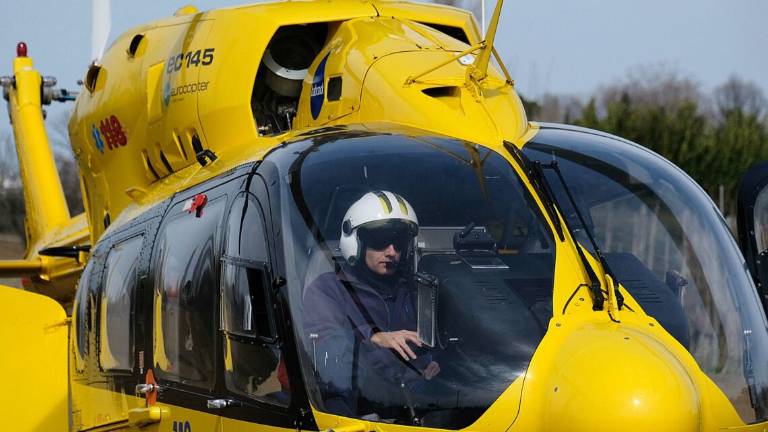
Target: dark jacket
[[341, 312]]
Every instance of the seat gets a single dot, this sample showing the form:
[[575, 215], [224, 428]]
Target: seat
[[318, 263]]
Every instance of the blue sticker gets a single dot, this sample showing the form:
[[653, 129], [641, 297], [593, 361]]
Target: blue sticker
[[97, 138], [317, 95]]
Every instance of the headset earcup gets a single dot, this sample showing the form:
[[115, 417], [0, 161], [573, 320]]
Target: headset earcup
[[360, 249]]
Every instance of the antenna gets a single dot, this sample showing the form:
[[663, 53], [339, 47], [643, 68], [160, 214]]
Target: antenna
[[482, 18], [479, 70], [101, 22]]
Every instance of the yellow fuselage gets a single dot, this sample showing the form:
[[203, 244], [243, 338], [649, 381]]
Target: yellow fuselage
[[167, 92]]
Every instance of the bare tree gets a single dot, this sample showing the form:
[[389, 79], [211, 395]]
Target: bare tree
[[11, 194], [653, 85], [69, 173], [8, 164], [11, 189], [737, 95], [558, 108]]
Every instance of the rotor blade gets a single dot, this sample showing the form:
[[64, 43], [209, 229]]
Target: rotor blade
[[101, 22]]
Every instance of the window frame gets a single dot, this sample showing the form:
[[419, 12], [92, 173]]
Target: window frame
[[215, 193], [264, 266], [91, 271], [101, 291], [267, 279], [270, 290], [175, 392]]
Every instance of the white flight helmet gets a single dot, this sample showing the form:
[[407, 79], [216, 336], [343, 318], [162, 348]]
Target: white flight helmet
[[377, 210]]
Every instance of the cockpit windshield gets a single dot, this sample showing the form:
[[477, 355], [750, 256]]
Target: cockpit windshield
[[420, 275], [671, 251]]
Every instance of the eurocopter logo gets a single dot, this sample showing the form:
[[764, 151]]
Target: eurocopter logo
[[317, 94], [180, 90]]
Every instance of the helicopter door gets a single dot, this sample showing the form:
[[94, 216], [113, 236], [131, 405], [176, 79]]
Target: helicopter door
[[753, 225], [184, 277], [257, 385]]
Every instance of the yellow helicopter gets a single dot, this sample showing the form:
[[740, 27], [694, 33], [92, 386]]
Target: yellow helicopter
[[550, 277]]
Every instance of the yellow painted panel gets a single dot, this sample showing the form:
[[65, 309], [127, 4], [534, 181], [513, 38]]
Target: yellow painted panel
[[433, 14], [186, 420], [231, 425], [33, 337]]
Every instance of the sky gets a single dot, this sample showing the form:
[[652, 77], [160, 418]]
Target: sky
[[549, 46]]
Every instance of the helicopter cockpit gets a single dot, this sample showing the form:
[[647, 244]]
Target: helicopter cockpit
[[489, 257], [481, 238]]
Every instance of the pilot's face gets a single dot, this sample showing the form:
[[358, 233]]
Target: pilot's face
[[382, 262]]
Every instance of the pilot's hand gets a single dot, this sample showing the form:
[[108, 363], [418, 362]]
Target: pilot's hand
[[432, 369], [398, 341]]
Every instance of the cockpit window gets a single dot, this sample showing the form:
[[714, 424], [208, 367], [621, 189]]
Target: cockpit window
[[420, 275], [671, 251]]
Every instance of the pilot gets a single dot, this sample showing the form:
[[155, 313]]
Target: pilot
[[360, 322]]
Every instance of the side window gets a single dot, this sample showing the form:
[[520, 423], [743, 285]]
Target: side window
[[116, 305], [761, 221], [253, 363], [185, 294], [82, 316]]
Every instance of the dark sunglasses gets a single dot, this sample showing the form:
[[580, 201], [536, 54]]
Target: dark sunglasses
[[381, 238]]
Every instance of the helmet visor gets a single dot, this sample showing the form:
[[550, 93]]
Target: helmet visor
[[379, 236]]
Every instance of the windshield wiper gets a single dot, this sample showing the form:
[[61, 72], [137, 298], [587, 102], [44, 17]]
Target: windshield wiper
[[756, 397], [554, 166], [541, 186]]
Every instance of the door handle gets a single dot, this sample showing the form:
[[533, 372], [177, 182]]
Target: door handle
[[140, 417], [144, 389], [221, 403]]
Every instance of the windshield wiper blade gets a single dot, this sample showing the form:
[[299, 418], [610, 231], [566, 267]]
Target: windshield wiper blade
[[554, 166], [542, 190], [536, 176], [594, 281]]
